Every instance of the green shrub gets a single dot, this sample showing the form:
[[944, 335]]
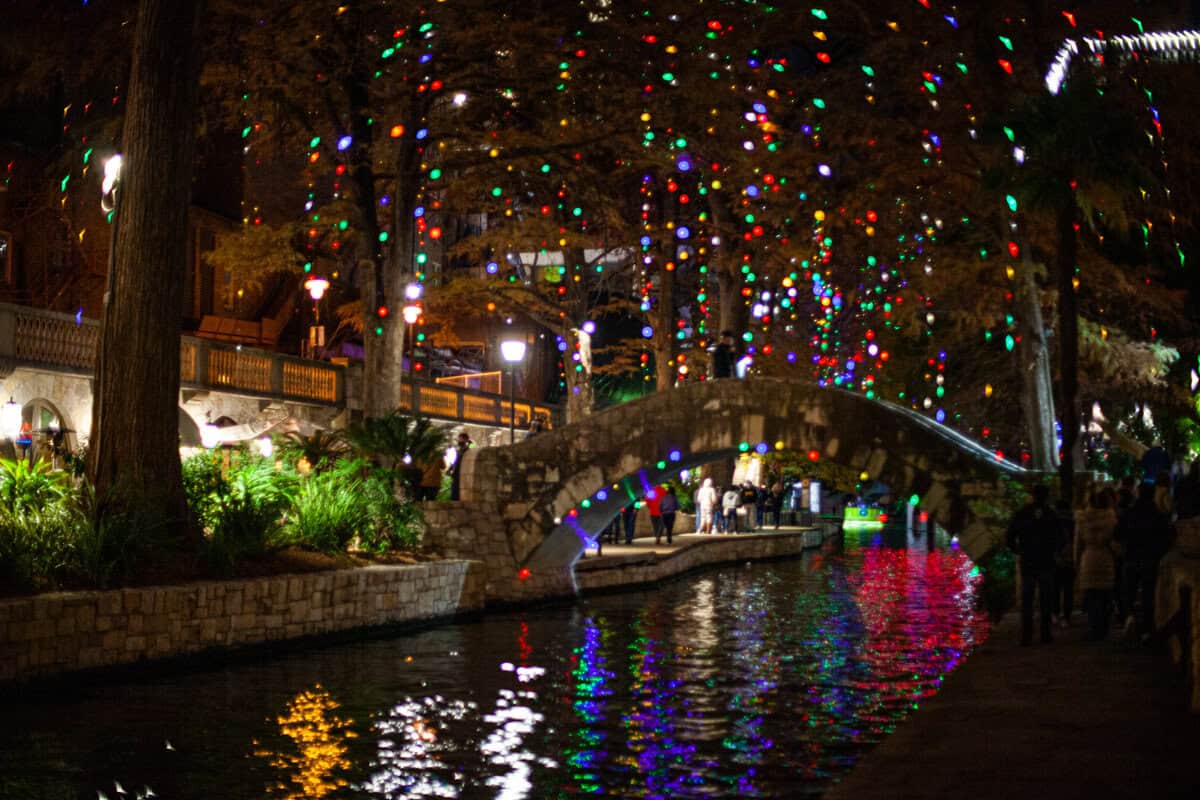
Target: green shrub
[[394, 524], [112, 547], [243, 514], [328, 512], [37, 546], [26, 487], [203, 475]]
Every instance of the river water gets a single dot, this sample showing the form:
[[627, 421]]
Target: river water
[[763, 680]]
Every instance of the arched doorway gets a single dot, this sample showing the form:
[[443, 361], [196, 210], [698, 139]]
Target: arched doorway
[[50, 436]]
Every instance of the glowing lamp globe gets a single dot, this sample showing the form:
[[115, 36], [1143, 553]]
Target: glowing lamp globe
[[411, 314], [316, 287], [513, 350]]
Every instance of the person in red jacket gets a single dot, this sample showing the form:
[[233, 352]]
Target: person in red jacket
[[653, 501]]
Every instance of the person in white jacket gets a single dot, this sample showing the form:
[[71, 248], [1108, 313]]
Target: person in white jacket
[[706, 501]]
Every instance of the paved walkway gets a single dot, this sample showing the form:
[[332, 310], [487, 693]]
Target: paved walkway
[[1065, 720], [644, 545]]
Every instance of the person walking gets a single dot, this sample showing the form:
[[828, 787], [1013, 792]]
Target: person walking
[[461, 447], [706, 503], [1064, 567], [1145, 536], [669, 506], [1033, 534], [1095, 560], [730, 501]]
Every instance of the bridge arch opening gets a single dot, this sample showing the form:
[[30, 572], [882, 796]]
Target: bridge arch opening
[[579, 528]]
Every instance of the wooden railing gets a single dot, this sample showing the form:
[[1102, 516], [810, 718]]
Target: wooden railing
[[490, 382], [36, 338], [43, 338]]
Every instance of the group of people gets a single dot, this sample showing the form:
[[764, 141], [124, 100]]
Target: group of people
[[1108, 551], [717, 508], [662, 504]]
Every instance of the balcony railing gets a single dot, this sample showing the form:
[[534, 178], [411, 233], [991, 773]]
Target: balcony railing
[[63, 343]]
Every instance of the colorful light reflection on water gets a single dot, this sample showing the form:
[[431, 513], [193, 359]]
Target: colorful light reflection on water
[[758, 681]]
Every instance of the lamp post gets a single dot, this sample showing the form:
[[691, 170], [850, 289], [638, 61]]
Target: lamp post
[[412, 293], [513, 351], [316, 287], [412, 313]]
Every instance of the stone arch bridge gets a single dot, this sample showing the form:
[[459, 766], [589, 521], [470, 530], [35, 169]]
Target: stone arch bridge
[[529, 509]]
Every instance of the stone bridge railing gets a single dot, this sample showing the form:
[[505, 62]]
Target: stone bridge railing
[[64, 343]]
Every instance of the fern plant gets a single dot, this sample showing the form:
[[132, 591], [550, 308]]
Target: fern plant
[[394, 524], [395, 436], [38, 546], [244, 514], [321, 449], [328, 513], [26, 487]]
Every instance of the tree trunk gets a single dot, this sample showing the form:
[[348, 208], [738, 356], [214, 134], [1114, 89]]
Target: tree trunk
[[1037, 395], [133, 458], [733, 314], [1068, 345], [581, 397]]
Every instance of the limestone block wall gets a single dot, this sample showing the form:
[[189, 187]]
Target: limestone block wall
[[475, 531], [64, 632]]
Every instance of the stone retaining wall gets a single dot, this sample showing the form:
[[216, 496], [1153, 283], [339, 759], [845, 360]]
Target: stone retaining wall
[[626, 571], [63, 632], [469, 531]]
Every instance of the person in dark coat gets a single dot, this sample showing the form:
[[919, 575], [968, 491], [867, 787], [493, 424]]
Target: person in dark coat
[[669, 506], [1144, 533], [724, 356], [1187, 493], [461, 447], [629, 520], [1035, 535]]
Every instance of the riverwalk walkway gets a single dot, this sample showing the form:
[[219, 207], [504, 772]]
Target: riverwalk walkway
[[645, 544], [1070, 719], [621, 566]]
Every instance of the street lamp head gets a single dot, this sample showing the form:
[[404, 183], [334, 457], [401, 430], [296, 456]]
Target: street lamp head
[[316, 287], [412, 291], [411, 314], [513, 350]]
